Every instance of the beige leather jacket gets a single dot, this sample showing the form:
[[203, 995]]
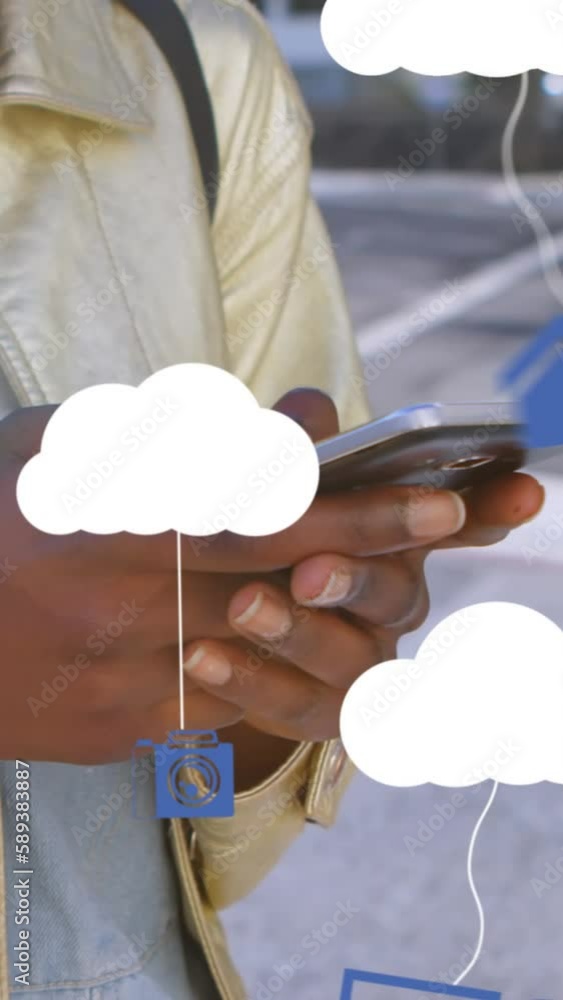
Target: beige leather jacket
[[111, 271]]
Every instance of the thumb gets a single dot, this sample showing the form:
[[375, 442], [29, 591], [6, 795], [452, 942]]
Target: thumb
[[312, 409]]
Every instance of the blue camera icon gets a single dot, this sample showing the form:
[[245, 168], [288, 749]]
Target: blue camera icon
[[193, 776]]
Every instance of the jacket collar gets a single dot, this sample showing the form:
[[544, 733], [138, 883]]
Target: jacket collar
[[60, 54]]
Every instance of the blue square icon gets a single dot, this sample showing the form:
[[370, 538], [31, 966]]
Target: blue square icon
[[193, 776], [360, 985]]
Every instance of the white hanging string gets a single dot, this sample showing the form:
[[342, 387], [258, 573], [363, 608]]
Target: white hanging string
[[547, 247], [474, 893]]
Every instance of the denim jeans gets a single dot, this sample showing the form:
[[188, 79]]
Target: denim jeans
[[104, 921]]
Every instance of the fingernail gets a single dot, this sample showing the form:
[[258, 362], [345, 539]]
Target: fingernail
[[211, 668], [441, 515], [335, 590], [265, 618], [539, 508]]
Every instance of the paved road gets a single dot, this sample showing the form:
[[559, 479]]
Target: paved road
[[410, 911]]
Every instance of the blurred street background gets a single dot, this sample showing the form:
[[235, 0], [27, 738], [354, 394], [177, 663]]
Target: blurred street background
[[450, 225]]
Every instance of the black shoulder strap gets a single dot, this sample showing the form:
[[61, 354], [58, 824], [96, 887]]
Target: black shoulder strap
[[168, 26]]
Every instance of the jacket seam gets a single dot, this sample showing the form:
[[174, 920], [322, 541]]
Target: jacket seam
[[109, 977], [253, 208], [125, 299], [8, 365], [279, 162], [111, 52], [259, 207], [53, 100]]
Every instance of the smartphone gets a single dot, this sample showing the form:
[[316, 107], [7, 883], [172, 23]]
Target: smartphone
[[452, 447]]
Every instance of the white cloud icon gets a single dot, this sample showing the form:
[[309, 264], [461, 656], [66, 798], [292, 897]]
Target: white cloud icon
[[189, 450], [441, 37], [483, 699]]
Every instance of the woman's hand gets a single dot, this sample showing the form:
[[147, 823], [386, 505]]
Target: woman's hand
[[344, 608], [89, 623]]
